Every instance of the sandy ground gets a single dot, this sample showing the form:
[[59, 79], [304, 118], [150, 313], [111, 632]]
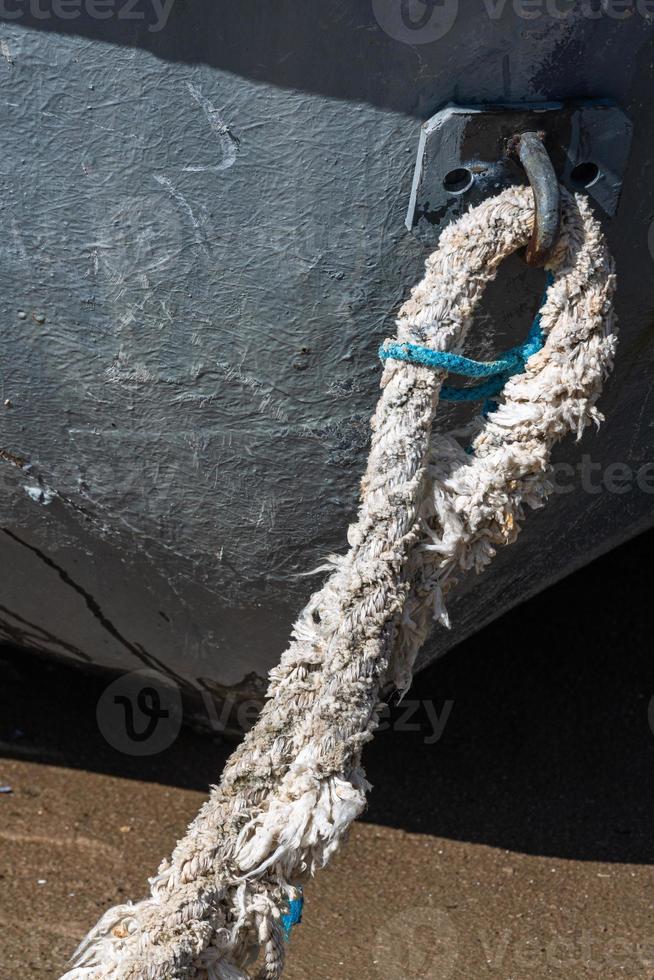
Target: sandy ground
[[514, 843]]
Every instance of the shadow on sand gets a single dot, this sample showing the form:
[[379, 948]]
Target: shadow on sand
[[546, 747]]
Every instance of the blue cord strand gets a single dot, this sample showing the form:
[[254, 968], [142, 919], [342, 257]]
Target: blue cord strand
[[293, 916], [497, 372]]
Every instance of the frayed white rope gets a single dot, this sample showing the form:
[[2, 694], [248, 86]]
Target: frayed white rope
[[429, 512]]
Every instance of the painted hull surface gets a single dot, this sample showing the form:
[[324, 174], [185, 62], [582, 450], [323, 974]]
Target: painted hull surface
[[203, 244]]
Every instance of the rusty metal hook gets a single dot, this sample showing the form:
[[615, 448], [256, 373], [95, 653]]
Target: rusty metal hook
[[529, 149]]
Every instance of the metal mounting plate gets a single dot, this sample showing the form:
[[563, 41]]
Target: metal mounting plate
[[473, 140]]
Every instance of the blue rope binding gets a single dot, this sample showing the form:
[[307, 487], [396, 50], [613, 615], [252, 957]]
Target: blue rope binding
[[294, 915], [497, 373]]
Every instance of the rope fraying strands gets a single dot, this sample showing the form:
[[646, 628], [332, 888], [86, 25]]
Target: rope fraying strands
[[429, 514]]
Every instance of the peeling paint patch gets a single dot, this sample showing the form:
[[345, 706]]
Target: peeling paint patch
[[39, 494], [15, 460], [5, 51], [121, 371]]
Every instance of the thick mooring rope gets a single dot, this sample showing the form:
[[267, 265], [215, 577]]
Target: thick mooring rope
[[430, 511]]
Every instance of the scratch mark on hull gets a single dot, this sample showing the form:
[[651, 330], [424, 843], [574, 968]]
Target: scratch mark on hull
[[228, 142], [179, 198], [96, 611]]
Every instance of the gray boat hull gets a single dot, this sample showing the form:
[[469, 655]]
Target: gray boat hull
[[203, 244]]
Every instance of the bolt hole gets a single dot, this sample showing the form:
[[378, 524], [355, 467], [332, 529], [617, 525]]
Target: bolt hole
[[585, 174], [457, 181]]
